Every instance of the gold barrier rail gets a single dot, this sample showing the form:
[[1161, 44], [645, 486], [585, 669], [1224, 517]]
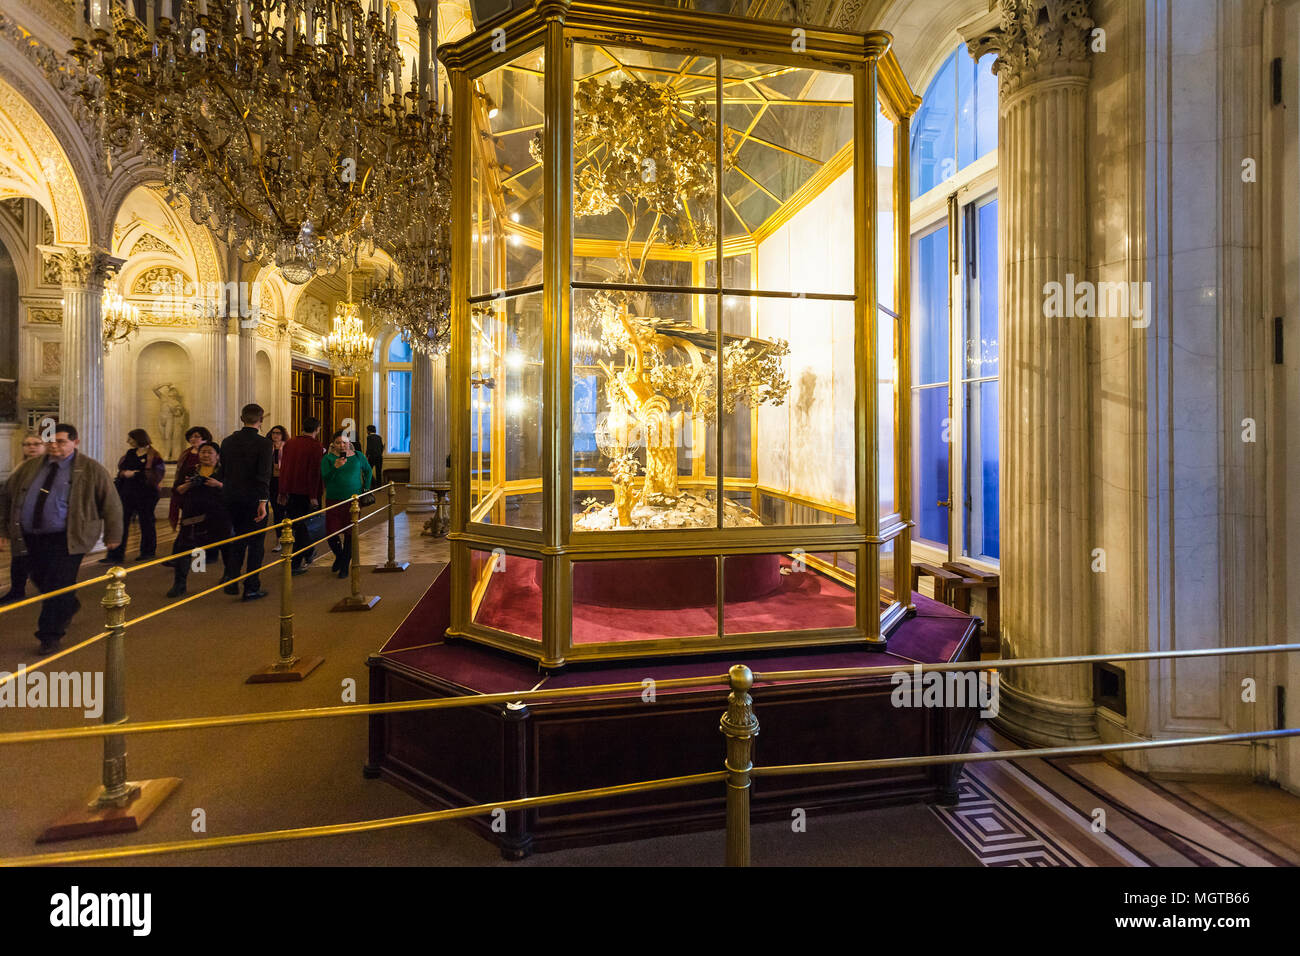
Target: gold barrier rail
[[737, 824], [154, 562]]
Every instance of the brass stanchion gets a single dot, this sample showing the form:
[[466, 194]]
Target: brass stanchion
[[288, 667], [119, 805], [740, 727], [392, 564], [356, 601]]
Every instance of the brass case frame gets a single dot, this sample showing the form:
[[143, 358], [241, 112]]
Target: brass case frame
[[553, 26]]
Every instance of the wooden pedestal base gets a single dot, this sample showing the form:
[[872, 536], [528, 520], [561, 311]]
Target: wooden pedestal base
[[88, 821], [362, 603], [279, 673]]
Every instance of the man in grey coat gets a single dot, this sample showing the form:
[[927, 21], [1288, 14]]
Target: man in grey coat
[[60, 504]]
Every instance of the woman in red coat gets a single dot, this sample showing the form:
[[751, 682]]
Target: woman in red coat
[[197, 437]]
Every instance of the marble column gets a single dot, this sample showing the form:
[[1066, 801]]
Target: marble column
[[81, 386], [210, 376], [1046, 578], [441, 440], [424, 442], [248, 367]]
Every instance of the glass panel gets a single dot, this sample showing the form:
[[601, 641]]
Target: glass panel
[[980, 467], [986, 106], [887, 595], [506, 592], [885, 211], [399, 351], [644, 599], [886, 399], [934, 147], [399, 412], [506, 411], [788, 182], [982, 308], [788, 592], [506, 182], [788, 141], [930, 309], [792, 433], [931, 432], [643, 386], [644, 144]]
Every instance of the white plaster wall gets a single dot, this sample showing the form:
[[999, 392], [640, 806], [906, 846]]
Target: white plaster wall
[[806, 446]]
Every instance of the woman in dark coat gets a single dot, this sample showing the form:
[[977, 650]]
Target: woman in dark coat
[[188, 464], [204, 519], [139, 473]]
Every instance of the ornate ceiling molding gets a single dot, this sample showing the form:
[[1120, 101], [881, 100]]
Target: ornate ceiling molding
[[1036, 40]]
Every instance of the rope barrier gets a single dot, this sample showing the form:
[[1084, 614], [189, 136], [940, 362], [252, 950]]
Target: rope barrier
[[363, 826], [350, 710], [154, 562]]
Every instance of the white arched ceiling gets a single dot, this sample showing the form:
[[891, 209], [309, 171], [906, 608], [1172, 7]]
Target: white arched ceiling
[[924, 31], [33, 163]]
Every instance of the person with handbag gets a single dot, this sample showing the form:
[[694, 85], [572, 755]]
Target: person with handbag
[[139, 473], [279, 503], [186, 466], [344, 473], [204, 519]]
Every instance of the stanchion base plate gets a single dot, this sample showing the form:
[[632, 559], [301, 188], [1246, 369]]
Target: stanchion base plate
[[85, 822], [392, 568], [362, 603], [279, 673]]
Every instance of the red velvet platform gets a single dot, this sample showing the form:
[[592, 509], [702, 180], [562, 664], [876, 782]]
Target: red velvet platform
[[615, 601], [484, 754]]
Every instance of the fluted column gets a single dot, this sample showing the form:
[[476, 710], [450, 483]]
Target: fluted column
[[210, 376], [1046, 579], [247, 366], [81, 386], [423, 439], [441, 440]]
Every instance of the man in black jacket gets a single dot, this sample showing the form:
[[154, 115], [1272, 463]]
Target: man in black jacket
[[246, 459]]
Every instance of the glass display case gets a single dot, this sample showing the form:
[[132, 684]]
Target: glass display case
[[677, 314]]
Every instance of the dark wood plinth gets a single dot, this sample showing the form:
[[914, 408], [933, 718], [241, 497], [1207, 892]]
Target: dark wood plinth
[[473, 755]]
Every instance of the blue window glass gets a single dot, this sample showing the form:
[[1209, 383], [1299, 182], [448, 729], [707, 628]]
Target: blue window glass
[[399, 412], [934, 129], [957, 122], [399, 350], [930, 435], [980, 465], [930, 309]]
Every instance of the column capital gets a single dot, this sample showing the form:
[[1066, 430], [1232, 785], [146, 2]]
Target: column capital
[[1034, 40], [87, 268]]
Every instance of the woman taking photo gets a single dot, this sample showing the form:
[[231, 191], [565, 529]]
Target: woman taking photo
[[204, 519], [278, 435], [33, 447], [345, 474], [139, 473], [188, 464]]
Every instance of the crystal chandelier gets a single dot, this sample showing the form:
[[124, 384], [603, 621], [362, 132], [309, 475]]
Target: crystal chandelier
[[349, 348], [284, 122], [121, 318]]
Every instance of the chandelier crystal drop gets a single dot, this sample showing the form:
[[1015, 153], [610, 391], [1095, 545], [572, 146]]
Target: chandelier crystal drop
[[286, 124], [121, 318], [349, 348]]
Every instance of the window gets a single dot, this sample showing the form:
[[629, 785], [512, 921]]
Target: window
[[397, 396], [955, 311]]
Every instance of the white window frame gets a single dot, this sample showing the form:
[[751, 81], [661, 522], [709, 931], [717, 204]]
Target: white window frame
[[947, 203], [391, 458]]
